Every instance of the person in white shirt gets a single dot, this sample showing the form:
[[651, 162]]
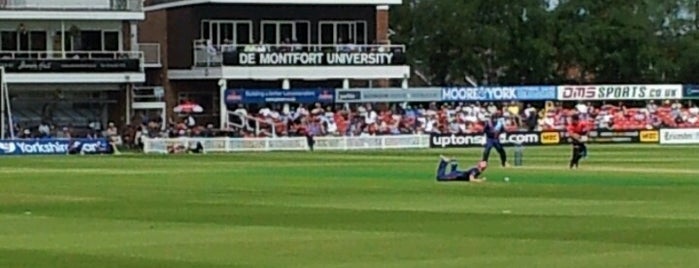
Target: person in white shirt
[[582, 109], [694, 110]]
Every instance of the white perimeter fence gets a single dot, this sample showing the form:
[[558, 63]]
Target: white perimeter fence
[[224, 145]]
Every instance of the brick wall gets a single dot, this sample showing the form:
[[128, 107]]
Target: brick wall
[[382, 35], [154, 30]]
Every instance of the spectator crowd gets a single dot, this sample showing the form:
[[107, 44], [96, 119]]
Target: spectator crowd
[[457, 118], [388, 119]]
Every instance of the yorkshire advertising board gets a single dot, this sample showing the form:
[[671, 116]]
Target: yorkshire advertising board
[[52, 146]]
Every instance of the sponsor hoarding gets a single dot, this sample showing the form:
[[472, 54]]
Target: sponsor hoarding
[[619, 92], [418, 94], [679, 136], [691, 92], [499, 93], [474, 140], [649, 136], [52, 146], [307, 96], [542, 138]]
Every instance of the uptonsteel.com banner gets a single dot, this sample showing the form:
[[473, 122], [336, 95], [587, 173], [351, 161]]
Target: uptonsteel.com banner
[[535, 138], [619, 92]]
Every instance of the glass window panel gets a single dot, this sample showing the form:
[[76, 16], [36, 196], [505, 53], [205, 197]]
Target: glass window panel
[[242, 33], [227, 32], [361, 37], [327, 33], [214, 33], [286, 32], [343, 33], [269, 33], [37, 41], [91, 40], [302, 31], [111, 41], [9, 41]]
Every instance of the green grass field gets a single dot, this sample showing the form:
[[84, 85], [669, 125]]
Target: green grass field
[[626, 207]]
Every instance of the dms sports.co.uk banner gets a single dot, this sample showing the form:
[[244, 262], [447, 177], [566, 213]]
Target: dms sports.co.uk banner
[[535, 138], [312, 58], [620, 92], [53, 146], [236, 96], [499, 93]]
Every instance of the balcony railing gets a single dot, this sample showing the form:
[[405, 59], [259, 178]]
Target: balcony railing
[[72, 61], [207, 55], [113, 5], [70, 55], [151, 54]]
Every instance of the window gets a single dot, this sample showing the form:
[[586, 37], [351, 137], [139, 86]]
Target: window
[[327, 33], [333, 32], [23, 41], [37, 41], [8, 41], [269, 33], [67, 41], [237, 32], [91, 40], [276, 32], [243, 33], [303, 32], [111, 40]]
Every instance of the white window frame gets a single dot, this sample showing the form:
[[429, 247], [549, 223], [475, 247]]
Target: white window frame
[[278, 23], [234, 23], [353, 30], [17, 41]]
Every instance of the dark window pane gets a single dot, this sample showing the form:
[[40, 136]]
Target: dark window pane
[[214, 33], [302, 30], [344, 33], [9, 41], [89, 41], [226, 32], [38, 41], [361, 33], [111, 41], [269, 33], [24, 41], [242, 33], [327, 33], [286, 31]]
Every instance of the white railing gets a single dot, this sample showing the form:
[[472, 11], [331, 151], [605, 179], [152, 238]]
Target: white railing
[[151, 54], [117, 5], [206, 54], [71, 55], [227, 145], [147, 94], [259, 126]]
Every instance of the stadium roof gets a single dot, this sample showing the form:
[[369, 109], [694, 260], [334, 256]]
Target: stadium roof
[[165, 4]]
